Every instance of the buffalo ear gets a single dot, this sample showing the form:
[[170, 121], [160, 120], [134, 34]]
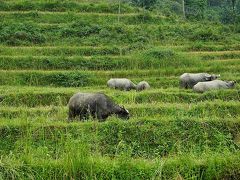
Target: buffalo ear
[[125, 109], [232, 83], [208, 77]]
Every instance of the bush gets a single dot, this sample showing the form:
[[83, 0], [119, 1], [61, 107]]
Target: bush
[[81, 29], [161, 54], [200, 46], [166, 58], [206, 35], [19, 33], [144, 3], [24, 6], [73, 79]]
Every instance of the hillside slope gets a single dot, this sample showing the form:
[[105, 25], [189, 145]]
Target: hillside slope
[[50, 50]]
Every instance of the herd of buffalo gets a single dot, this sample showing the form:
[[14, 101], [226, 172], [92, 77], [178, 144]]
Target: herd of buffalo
[[100, 106]]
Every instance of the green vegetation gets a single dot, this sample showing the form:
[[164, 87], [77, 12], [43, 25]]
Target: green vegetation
[[50, 50], [226, 11]]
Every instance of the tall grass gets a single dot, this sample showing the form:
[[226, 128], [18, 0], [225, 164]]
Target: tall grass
[[48, 149], [51, 50], [101, 7]]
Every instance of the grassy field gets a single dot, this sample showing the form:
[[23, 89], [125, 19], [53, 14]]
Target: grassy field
[[51, 50]]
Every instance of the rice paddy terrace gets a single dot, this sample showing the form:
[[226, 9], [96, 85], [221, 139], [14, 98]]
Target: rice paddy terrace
[[50, 50]]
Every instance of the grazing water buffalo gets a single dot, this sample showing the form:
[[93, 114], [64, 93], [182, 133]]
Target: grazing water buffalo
[[212, 85], [143, 85], [188, 80], [121, 83], [98, 105]]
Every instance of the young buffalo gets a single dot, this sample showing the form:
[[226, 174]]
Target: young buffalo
[[213, 85], [143, 85]]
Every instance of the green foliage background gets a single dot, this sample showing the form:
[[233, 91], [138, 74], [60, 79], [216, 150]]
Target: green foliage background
[[50, 50]]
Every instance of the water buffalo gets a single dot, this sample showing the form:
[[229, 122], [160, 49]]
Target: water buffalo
[[98, 105], [121, 83], [213, 85], [143, 85], [188, 80]]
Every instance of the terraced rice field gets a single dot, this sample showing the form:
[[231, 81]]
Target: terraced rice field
[[58, 49]]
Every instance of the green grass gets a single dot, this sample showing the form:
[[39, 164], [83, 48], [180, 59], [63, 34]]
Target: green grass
[[53, 6], [33, 97], [94, 167], [92, 78], [101, 30], [67, 17], [147, 138], [51, 50], [207, 109], [63, 51]]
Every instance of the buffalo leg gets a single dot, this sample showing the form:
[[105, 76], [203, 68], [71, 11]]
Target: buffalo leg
[[82, 116], [182, 85], [101, 116], [71, 115]]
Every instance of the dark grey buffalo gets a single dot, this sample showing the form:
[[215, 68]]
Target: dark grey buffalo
[[188, 80], [213, 85], [121, 83], [98, 105], [143, 85]]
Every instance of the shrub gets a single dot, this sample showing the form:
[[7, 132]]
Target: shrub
[[53, 6], [19, 33], [81, 29], [144, 3], [24, 6], [206, 35], [162, 58], [161, 54], [73, 79]]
